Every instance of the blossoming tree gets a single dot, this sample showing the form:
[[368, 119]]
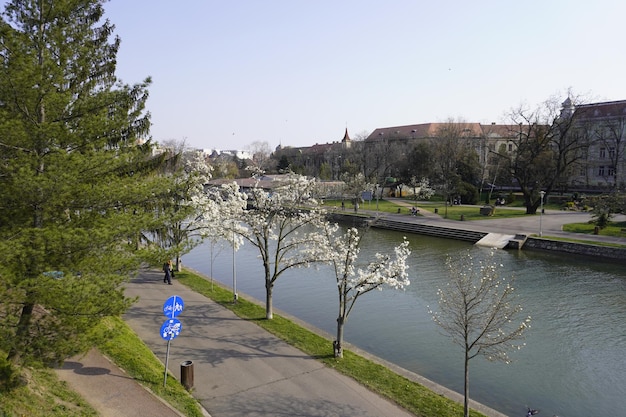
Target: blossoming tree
[[353, 282], [476, 310], [285, 224], [181, 214]]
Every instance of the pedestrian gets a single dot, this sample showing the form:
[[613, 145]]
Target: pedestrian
[[167, 269]]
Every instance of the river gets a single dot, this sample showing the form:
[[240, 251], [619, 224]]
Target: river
[[574, 361]]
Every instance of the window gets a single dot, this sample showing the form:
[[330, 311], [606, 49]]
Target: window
[[510, 147], [601, 171], [611, 152], [602, 152], [611, 171]]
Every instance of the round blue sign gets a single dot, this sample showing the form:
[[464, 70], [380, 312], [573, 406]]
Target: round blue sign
[[173, 306], [171, 328]]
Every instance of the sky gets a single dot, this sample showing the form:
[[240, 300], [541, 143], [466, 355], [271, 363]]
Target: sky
[[226, 74]]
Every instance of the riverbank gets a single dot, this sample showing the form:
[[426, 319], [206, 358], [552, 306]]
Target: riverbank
[[411, 391], [575, 305], [523, 231]]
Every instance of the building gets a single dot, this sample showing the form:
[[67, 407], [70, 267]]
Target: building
[[603, 126]]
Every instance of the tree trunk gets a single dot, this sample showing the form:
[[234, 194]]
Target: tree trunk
[[23, 328], [268, 301], [466, 386], [338, 344]]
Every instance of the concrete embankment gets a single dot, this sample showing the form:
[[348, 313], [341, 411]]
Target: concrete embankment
[[613, 254], [475, 231]]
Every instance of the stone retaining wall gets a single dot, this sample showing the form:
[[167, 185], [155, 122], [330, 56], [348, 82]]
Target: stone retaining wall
[[597, 252], [581, 249]]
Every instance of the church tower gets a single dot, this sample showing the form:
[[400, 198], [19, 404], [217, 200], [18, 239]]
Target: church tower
[[346, 142]]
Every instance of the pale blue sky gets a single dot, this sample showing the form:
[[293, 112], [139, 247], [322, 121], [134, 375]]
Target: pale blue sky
[[228, 73]]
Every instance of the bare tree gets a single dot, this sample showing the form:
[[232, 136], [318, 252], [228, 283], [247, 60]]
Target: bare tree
[[261, 152], [381, 157], [476, 312], [354, 187], [547, 144], [448, 147]]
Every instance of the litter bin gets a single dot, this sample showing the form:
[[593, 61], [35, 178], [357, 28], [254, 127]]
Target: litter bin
[[436, 210], [186, 374]]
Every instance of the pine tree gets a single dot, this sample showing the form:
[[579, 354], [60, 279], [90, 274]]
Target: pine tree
[[76, 188]]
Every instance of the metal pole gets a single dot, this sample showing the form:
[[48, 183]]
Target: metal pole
[[234, 273], [377, 196], [167, 359], [541, 193]]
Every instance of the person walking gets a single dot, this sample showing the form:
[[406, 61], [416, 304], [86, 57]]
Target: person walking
[[167, 269]]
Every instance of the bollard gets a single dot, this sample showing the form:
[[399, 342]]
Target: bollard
[[186, 374]]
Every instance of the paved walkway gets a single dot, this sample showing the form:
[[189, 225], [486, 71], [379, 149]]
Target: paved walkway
[[242, 370], [550, 223], [239, 368], [110, 390]]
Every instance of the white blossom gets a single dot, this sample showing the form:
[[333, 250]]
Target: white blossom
[[477, 311]]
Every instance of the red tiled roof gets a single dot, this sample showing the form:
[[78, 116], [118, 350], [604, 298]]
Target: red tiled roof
[[432, 130], [601, 110]]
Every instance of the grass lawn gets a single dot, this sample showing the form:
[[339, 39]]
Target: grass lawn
[[382, 206], [473, 212], [42, 395], [129, 352], [410, 395], [453, 212], [46, 396], [617, 229]]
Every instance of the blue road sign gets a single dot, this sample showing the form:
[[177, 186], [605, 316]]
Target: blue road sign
[[171, 328], [173, 306]]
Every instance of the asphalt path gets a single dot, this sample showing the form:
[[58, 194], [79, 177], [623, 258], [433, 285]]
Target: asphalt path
[[549, 224], [241, 369]]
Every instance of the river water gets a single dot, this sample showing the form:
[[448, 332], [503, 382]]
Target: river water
[[574, 361]]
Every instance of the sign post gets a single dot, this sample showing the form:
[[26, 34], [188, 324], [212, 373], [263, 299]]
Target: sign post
[[171, 328]]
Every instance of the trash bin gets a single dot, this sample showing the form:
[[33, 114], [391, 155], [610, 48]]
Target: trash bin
[[436, 210], [186, 374]]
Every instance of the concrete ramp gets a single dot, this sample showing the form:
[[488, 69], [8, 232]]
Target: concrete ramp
[[495, 240]]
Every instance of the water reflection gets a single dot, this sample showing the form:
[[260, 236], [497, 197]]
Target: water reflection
[[573, 364]]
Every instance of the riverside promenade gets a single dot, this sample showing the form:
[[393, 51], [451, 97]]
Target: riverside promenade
[[242, 370], [550, 223], [239, 368]]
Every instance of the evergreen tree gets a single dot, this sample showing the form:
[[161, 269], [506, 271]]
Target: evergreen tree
[[76, 188]]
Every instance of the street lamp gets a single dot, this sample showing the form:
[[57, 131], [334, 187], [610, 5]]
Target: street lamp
[[541, 193], [377, 197], [235, 297]]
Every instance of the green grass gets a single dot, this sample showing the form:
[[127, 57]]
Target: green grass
[[129, 352], [453, 212], [613, 229], [473, 212], [384, 206], [40, 394], [45, 395], [412, 396]]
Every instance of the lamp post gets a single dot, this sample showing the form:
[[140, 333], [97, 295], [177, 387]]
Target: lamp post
[[541, 194], [376, 198], [234, 272]]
